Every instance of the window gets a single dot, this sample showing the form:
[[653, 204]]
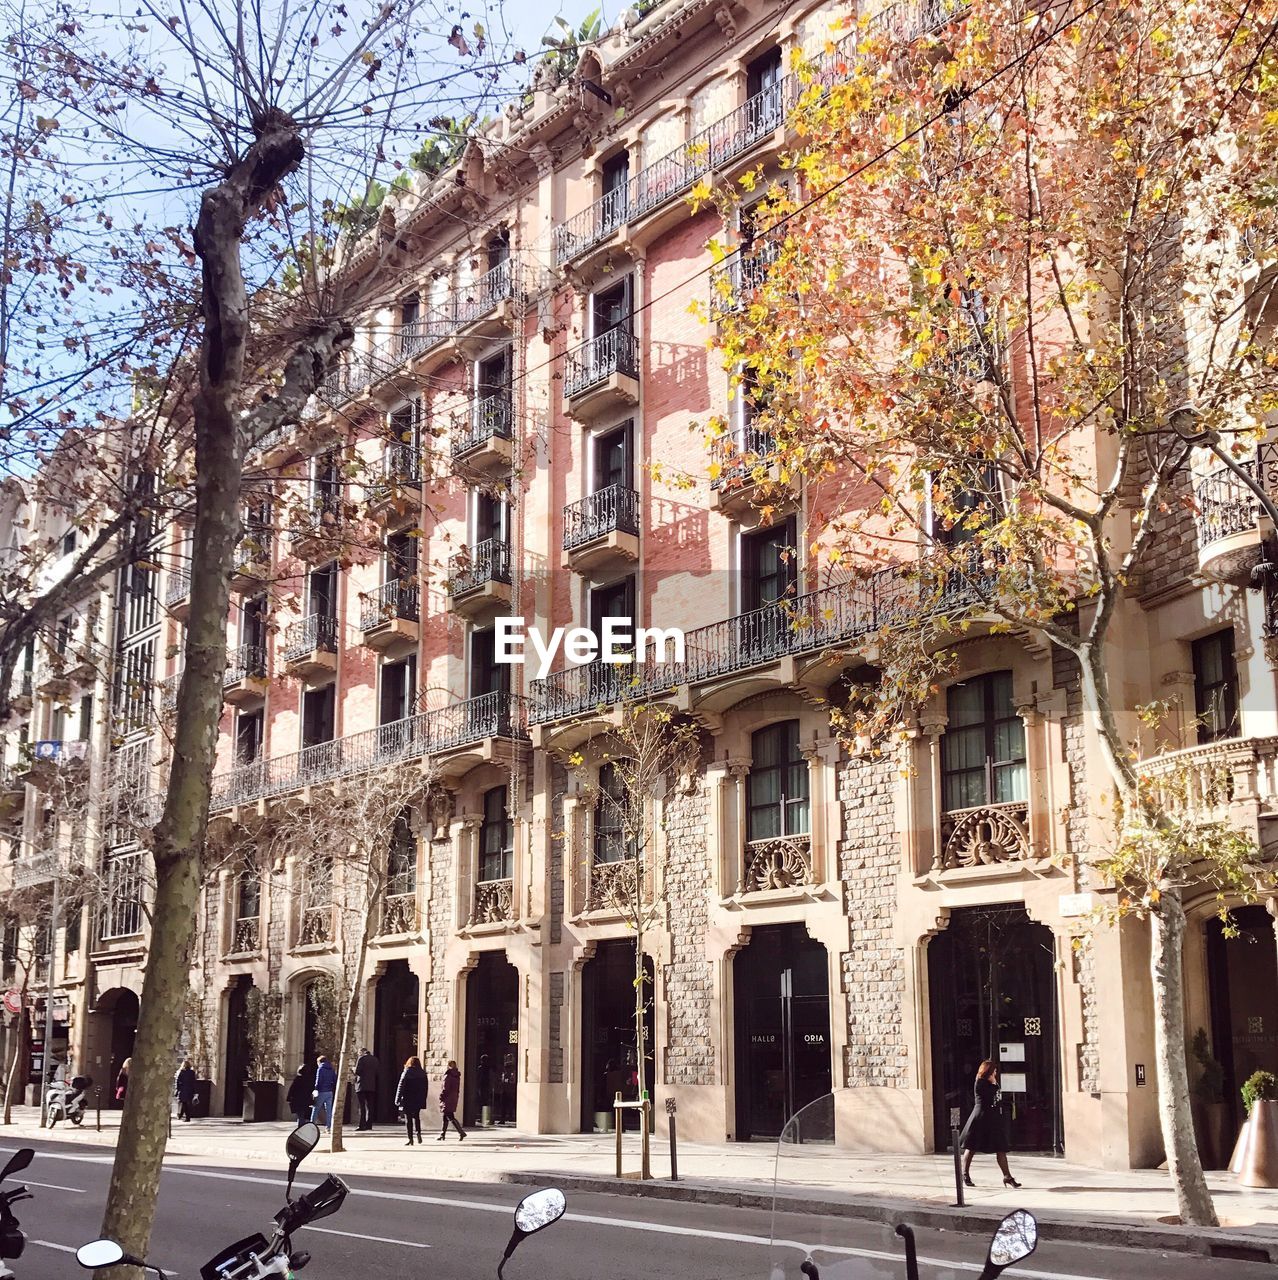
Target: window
[[610, 308], [764, 103], [492, 518], [406, 423], [10, 946], [71, 942], [769, 566], [253, 622], [62, 637], [975, 505], [322, 591], [68, 542], [498, 250], [326, 485], [1216, 686], [84, 729], [983, 748], [496, 838], [616, 600], [399, 688], [140, 606], [492, 375], [122, 896], [249, 731], [614, 839], [763, 73], [401, 559], [612, 458], [248, 893], [401, 857], [487, 675], [409, 311], [777, 798], [615, 198], [134, 677], [318, 715]]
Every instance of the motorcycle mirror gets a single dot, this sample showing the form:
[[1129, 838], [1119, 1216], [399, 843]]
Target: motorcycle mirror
[[1014, 1240], [535, 1212], [102, 1253], [19, 1160], [299, 1144]]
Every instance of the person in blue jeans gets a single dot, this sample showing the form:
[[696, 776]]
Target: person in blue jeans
[[325, 1087]]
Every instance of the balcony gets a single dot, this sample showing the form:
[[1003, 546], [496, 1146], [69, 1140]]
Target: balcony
[[779, 863], [602, 529], [169, 693], [1231, 526], [456, 735], [486, 307], [1234, 780], [246, 936], [389, 615], [399, 914], [492, 903], [482, 432], [834, 617], [245, 679], [251, 563], [395, 495], [733, 283], [743, 468], [316, 531], [23, 689], [310, 646], [479, 579], [602, 373], [177, 594]]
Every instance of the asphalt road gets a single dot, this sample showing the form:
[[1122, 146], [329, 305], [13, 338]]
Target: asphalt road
[[400, 1227]]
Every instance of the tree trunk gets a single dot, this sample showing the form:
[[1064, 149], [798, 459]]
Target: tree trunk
[[351, 1015], [11, 1079], [1167, 934], [640, 1027]]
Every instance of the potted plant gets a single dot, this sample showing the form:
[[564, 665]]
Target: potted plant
[[264, 1016], [1255, 1157], [1210, 1110]]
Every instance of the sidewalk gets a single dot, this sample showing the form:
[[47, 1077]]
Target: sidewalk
[[1072, 1202]]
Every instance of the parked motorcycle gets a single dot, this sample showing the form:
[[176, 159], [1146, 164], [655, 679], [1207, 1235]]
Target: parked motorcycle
[[254, 1257], [12, 1241], [68, 1100], [832, 1248], [535, 1212]]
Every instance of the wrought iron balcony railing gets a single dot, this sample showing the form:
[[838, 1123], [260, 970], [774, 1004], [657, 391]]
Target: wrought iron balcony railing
[[480, 422], [834, 615], [475, 567], [395, 599], [616, 351], [169, 691], [246, 662], [401, 466], [1227, 504], [490, 715], [736, 455], [732, 283], [178, 588], [323, 511], [316, 633], [611, 510], [484, 295]]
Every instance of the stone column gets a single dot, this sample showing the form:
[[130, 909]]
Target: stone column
[[575, 895], [929, 814], [465, 840], [735, 849], [1036, 766]]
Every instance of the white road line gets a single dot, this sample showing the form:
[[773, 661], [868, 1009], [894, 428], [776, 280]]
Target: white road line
[[355, 1235], [52, 1186], [70, 1248]]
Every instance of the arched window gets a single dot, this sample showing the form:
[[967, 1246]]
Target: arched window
[[496, 838], [983, 748], [778, 785], [614, 834]]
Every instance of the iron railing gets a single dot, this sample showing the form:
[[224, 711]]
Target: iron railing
[[479, 422], [611, 510], [121, 913], [247, 662], [322, 511], [834, 615], [1227, 503], [737, 454], [485, 294], [491, 715], [169, 691], [401, 467], [316, 633], [178, 588], [733, 282], [475, 567], [616, 351], [395, 599]]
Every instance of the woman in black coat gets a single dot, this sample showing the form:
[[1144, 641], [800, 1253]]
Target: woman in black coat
[[184, 1088], [410, 1097], [984, 1130]]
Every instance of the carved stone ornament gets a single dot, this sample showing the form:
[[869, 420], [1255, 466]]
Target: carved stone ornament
[[985, 835], [493, 899], [726, 22], [783, 863], [612, 886]]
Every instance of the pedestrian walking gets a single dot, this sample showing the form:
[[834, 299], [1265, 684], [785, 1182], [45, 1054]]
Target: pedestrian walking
[[184, 1089], [985, 1131], [410, 1097], [448, 1097], [298, 1096], [122, 1081], [366, 1071], [325, 1088]]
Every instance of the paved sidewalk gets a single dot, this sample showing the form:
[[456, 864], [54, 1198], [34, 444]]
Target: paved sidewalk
[[1081, 1203]]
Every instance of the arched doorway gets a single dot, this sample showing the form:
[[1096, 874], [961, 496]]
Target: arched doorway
[[1242, 976], [117, 1028], [492, 1039], [993, 995], [237, 1045], [608, 1057], [394, 1030], [782, 1028]]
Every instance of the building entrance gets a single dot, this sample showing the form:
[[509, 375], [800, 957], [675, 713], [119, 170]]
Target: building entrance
[[237, 1046], [394, 1031], [117, 1017], [782, 1020], [492, 1040], [990, 975], [608, 1057]]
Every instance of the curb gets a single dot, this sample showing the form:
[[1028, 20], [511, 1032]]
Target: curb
[[1066, 1227]]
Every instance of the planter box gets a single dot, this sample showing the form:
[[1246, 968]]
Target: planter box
[[261, 1101], [203, 1097]]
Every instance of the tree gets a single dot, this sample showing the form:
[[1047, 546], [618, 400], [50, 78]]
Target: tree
[[626, 770], [344, 838], [1007, 304]]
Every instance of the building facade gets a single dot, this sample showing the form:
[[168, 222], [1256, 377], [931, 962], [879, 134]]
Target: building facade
[[510, 438]]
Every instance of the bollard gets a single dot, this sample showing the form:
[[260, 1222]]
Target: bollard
[[958, 1165], [617, 1124], [645, 1119], [674, 1140], [97, 1102]]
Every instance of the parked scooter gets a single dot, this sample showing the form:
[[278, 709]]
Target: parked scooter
[[535, 1212], [254, 1257], [12, 1241], [68, 1100]]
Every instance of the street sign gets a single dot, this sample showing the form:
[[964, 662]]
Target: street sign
[[13, 1001]]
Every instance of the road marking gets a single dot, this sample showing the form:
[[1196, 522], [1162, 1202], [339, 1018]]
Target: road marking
[[355, 1235], [70, 1248], [53, 1186]]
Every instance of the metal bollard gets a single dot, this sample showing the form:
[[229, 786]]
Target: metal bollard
[[97, 1102], [674, 1139], [958, 1165], [617, 1122]]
